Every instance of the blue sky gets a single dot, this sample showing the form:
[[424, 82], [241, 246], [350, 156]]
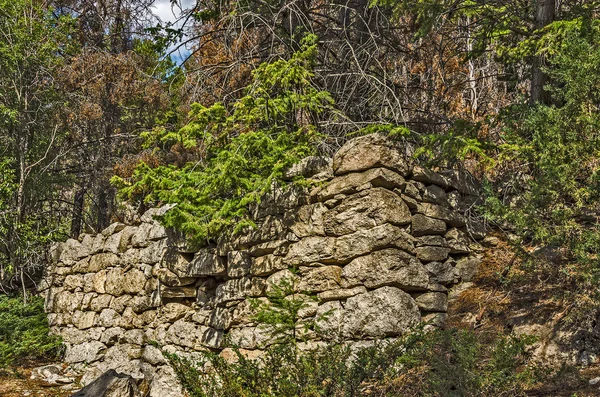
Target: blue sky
[[167, 13]]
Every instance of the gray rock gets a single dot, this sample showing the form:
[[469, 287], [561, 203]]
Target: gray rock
[[178, 292], [367, 152], [267, 265], [307, 220], [466, 268], [84, 352], [432, 254], [170, 279], [172, 312], [386, 267], [442, 273], [425, 175], [365, 241], [238, 264], [133, 281], [206, 262], [447, 215], [111, 384], [432, 302], [320, 279], [310, 166], [423, 225], [458, 241], [386, 311], [165, 384], [102, 261], [355, 182], [365, 210], [340, 293], [153, 355]]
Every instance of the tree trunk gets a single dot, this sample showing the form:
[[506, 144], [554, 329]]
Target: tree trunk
[[544, 15], [77, 218]]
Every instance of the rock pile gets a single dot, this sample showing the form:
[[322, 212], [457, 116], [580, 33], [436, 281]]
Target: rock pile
[[372, 249]]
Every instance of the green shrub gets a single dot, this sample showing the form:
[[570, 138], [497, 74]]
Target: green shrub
[[438, 363], [24, 331]]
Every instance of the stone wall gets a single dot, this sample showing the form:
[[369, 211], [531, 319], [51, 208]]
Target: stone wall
[[375, 244]]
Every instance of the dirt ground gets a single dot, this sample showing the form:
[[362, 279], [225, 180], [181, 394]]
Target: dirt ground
[[17, 383]]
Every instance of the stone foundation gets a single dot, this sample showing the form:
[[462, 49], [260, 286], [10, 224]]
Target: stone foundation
[[372, 248]]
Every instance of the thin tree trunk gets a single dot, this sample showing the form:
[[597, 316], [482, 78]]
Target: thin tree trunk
[[77, 218], [544, 15]]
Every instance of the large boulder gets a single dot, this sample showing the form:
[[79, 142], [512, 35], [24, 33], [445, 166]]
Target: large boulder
[[365, 210], [387, 311], [386, 267], [369, 151], [111, 384], [358, 181]]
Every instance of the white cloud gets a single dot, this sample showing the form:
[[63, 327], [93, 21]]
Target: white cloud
[[167, 12]]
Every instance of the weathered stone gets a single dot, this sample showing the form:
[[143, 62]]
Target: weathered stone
[[355, 182], [251, 337], [65, 302], [154, 252], [436, 195], [425, 175], [153, 355], [172, 312], [51, 375], [466, 268], [141, 303], [244, 313], [194, 336], [329, 320], [433, 241], [165, 384], [267, 248], [365, 210], [432, 301], [73, 282], [133, 281], [238, 264], [111, 335], [386, 311], [108, 318], [365, 241], [423, 225], [449, 216], [178, 292], [113, 243], [307, 220], [367, 152], [386, 267], [72, 250], [131, 257], [114, 282], [463, 181], [431, 253], [168, 278], [102, 261], [442, 273], [309, 167], [434, 319], [140, 237], [84, 352], [220, 318], [267, 265], [157, 232], [119, 303], [340, 293], [130, 320], [111, 384], [284, 281], [312, 249], [320, 279], [278, 200], [87, 300], [84, 320], [458, 241], [112, 229], [206, 262]]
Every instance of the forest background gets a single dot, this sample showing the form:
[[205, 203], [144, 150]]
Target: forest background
[[96, 118]]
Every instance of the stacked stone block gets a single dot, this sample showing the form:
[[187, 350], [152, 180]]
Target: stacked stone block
[[372, 248]]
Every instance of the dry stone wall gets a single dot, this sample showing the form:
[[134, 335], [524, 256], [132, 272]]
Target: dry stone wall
[[373, 248]]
